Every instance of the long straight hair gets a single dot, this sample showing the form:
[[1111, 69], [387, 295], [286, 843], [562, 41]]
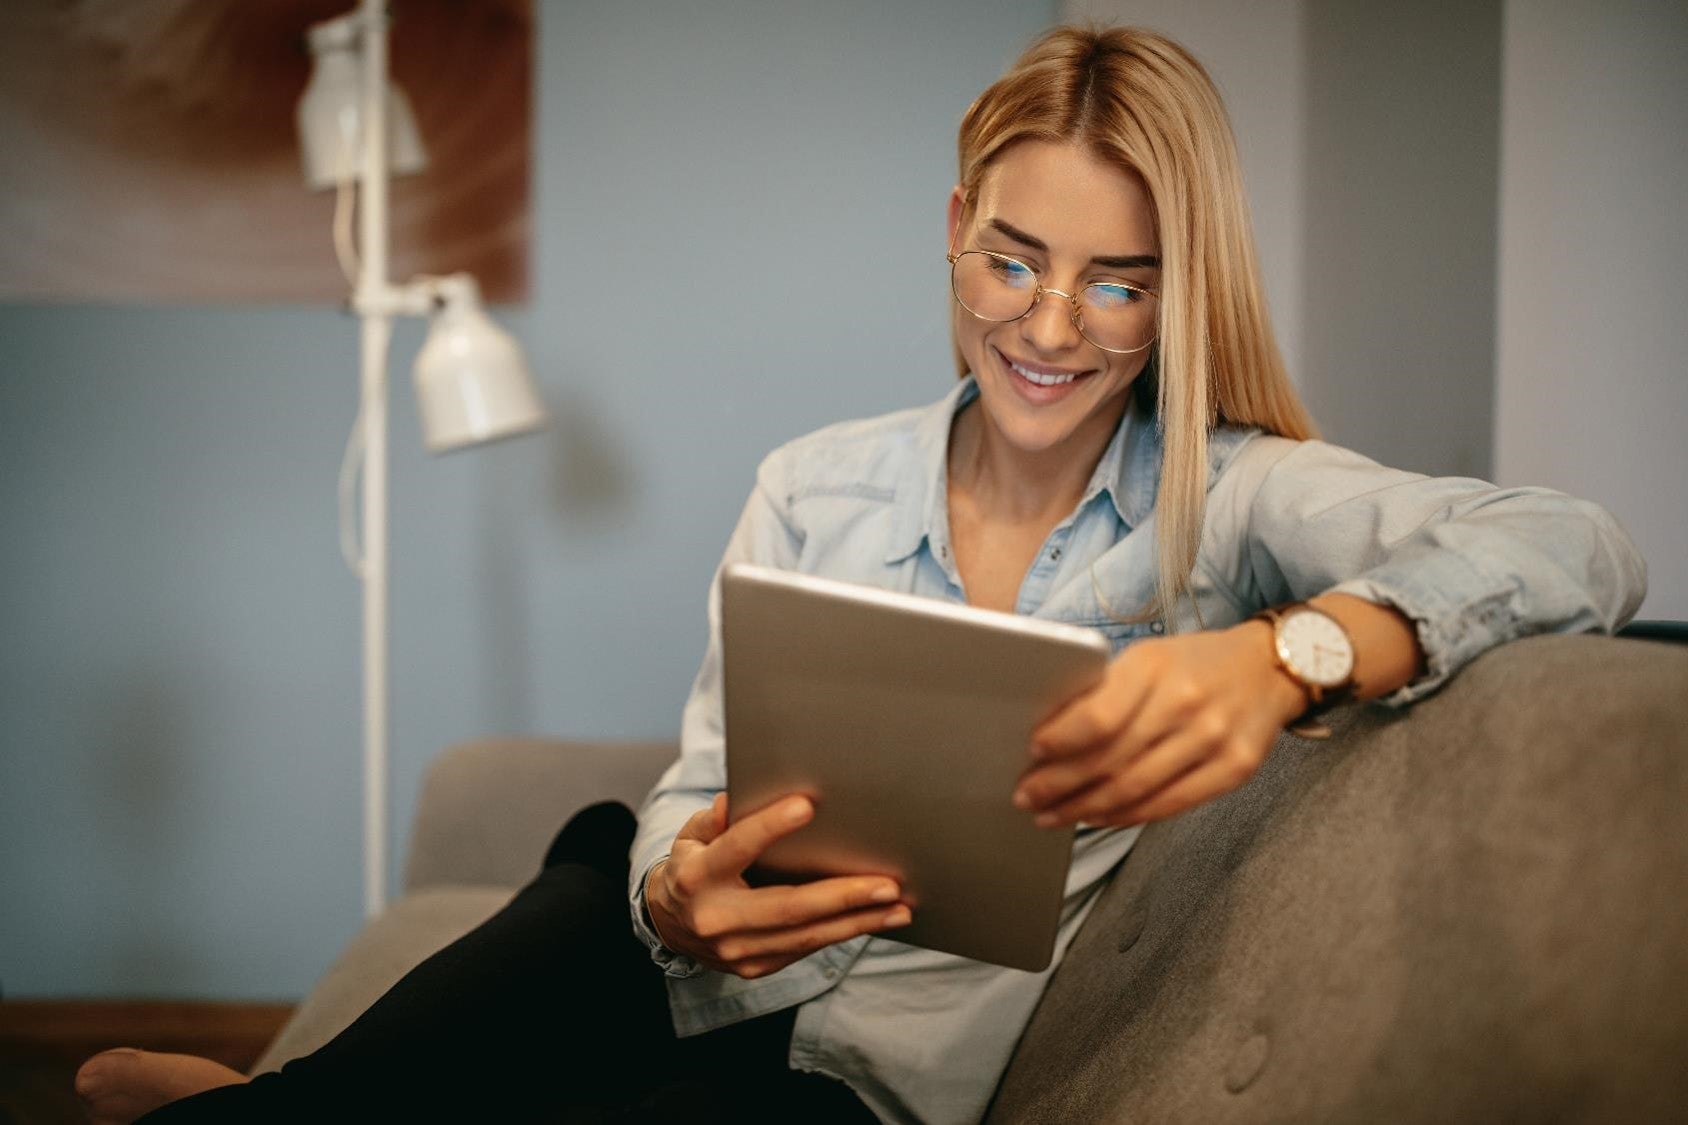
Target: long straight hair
[[1140, 101]]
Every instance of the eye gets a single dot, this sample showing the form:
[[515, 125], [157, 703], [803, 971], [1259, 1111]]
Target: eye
[[1012, 273], [1111, 295]]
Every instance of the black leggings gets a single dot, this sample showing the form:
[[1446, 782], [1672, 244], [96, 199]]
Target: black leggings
[[551, 1010]]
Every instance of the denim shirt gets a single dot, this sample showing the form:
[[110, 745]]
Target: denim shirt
[[924, 1036]]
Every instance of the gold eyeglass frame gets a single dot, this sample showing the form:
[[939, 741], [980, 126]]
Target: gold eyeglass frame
[[1037, 296]]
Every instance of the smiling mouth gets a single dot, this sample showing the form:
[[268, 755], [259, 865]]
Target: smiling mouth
[[1042, 378]]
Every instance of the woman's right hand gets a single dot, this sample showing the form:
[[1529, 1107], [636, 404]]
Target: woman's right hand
[[702, 906]]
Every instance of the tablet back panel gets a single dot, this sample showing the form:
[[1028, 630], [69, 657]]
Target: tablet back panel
[[907, 720]]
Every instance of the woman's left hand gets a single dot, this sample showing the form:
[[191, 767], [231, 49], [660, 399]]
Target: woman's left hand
[[1176, 721]]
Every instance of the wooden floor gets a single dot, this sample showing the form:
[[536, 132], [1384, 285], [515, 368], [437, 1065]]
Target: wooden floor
[[42, 1042]]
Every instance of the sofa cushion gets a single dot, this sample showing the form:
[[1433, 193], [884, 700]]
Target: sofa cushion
[[410, 931], [488, 809], [1468, 911]]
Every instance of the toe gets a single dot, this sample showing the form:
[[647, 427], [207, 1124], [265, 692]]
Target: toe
[[96, 1074]]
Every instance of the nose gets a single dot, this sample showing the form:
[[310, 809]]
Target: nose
[[1049, 326]]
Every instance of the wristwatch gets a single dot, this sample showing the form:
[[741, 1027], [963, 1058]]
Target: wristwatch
[[1316, 652]]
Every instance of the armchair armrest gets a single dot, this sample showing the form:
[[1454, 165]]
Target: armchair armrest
[[489, 808]]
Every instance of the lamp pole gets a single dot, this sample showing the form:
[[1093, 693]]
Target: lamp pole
[[372, 306]]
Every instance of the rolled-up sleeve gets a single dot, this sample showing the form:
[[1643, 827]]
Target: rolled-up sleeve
[[766, 536], [1472, 565]]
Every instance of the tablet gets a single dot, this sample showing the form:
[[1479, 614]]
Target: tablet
[[907, 721]]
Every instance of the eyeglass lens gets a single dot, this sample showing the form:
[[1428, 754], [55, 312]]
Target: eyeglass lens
[[1113, 316]]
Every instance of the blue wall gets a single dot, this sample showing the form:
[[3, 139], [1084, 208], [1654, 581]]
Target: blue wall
[[738, 236]]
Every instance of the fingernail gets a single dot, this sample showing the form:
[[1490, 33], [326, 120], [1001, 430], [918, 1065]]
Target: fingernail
[[1038, 752], [885, 894], [797, 812], [899, 917], [1046, 820], [1022, 799]]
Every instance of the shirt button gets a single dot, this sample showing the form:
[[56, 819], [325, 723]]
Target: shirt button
[[1054, 554], [1157, 627], [829, 973]]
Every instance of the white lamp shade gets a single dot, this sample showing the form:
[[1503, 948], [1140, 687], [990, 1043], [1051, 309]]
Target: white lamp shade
[[472, 383], [330, 115]]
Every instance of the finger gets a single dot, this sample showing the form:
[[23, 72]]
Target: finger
[[705, 824], [1214, 779], [739, 846], [1044, 786], [1090, 719], [769, 908], [700, 828], [1139, 779], [800, 941], [758, 967]]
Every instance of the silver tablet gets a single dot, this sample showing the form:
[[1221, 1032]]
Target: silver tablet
[[907, 721]]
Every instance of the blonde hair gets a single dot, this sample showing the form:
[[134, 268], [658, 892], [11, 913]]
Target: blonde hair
[[1138, 100]]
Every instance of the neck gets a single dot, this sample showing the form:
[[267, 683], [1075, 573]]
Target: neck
[[1015, 484]]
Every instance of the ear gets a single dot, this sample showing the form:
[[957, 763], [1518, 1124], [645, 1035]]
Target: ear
[[957, 206]]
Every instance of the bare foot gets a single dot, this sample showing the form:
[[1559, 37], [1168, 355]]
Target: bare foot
[[120, 1085]]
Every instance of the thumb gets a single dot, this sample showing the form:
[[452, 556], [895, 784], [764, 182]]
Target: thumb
[[706, 824]]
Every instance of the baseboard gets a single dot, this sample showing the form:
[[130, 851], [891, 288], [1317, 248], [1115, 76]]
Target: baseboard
[[232, 1033], [42, 1042]]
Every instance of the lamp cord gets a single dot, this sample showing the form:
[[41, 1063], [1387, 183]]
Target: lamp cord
[[351, 464], [345, 249]]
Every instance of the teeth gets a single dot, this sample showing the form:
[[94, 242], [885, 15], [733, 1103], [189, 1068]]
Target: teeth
[[1042, 380]]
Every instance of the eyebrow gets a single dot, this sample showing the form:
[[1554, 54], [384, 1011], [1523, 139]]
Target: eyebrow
[[1111, 261]]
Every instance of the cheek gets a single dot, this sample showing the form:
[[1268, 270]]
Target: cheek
[[1129, 367], [969, 333]]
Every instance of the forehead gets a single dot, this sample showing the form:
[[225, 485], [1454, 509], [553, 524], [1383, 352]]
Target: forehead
[[1070, 199]]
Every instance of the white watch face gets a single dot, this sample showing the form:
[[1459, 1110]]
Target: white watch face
[[1316, 648]]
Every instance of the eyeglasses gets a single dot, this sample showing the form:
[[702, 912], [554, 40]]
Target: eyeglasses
[[1116, 316]]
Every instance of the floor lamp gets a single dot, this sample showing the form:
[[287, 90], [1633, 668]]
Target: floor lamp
[[472, 383]]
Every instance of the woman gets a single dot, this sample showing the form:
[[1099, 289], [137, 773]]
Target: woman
[[1124, 452]]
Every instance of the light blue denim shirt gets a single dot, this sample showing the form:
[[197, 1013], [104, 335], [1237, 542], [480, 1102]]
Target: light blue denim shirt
[[924, 1036]]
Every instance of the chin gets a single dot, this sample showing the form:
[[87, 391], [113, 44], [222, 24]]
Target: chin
[[1033, 429]]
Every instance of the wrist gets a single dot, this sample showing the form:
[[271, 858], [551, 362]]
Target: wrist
[[656, 904], [1386, 646], [1313, 648], [1289, 698]]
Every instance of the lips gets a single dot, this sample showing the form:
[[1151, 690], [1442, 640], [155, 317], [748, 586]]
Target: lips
[[1042, 380]]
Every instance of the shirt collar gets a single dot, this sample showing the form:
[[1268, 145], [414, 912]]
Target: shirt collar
[[1130, 469], [1128, 472], [922, 504]]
